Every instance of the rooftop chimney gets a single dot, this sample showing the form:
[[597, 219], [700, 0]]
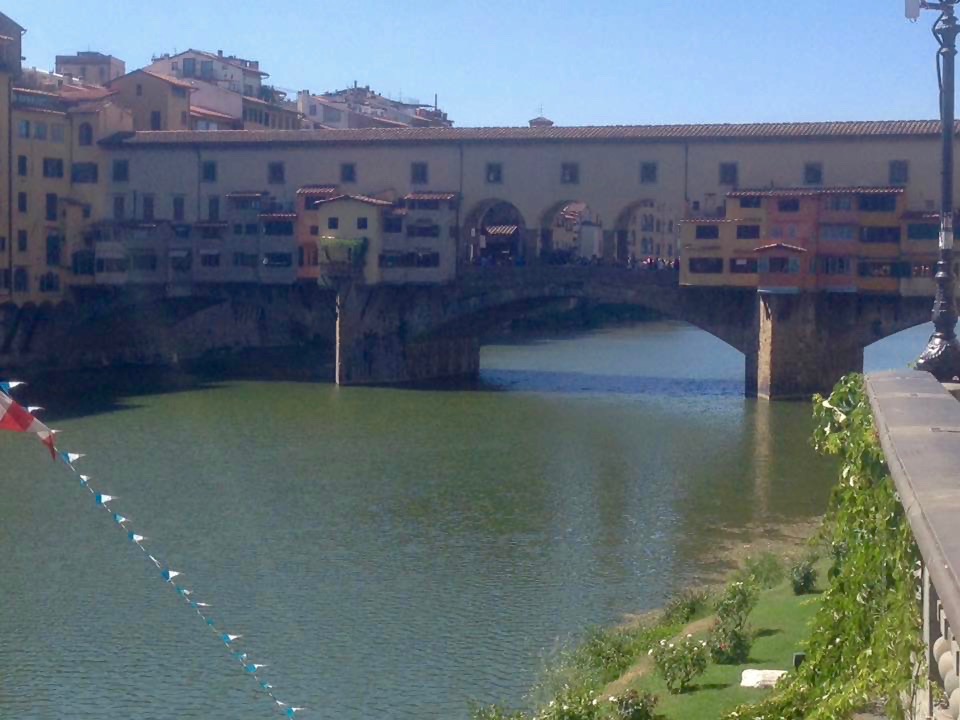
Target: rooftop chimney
[[541, 122], [219, 53]]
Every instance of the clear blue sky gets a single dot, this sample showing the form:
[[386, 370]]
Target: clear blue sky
[[495, 62]]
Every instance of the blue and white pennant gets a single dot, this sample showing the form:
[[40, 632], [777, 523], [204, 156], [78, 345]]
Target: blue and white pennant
[[167, 574]]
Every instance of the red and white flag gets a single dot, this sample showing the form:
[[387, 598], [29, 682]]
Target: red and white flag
[[15, 418]]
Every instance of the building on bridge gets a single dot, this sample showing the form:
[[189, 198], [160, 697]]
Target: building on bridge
[[511, 191], [813, 239]]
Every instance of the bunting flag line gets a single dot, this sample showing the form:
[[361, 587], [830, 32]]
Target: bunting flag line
[[16, 418]]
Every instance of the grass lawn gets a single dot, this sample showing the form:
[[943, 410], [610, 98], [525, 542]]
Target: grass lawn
[[780, 621]]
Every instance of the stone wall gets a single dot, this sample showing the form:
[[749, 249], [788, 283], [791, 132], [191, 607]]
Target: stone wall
[[121, 327]]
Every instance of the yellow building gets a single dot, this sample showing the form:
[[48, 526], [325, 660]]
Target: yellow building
[[55, 193], [713, 253], [158, 102], [10, 52], [347, 231]]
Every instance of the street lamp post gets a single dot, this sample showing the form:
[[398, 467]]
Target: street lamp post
[[941, 357]]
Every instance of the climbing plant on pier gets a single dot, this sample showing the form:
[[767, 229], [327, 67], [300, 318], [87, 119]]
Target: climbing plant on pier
[[866, 635]]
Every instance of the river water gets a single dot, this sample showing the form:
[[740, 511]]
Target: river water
[[390, 553]]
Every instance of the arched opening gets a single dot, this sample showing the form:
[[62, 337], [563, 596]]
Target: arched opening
[[495, 234], [646, 231], [571, 233], [85, 134], [897, 351]]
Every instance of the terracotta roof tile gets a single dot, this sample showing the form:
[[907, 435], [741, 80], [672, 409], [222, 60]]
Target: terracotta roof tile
[[317, 190], [176, 82], [611, 133], [202, 112], [713, 220], [170, 79], [359, 198], [430, 196], [780, 246], [817, 191]]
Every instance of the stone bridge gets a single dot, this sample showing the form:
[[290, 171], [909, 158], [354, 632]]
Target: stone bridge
[[794, 345]]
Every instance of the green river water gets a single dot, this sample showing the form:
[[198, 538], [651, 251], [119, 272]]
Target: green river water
[[391, 553]]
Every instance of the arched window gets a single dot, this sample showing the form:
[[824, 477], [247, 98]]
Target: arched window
[[86, 134]]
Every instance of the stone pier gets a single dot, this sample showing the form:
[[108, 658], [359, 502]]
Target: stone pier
[[806, 343], [380, 339]]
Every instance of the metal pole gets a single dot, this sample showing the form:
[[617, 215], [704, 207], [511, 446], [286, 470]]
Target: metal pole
[[941, 357]]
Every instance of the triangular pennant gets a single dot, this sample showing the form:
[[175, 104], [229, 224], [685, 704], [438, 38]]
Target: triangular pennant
[[50, 441], [169, 575], [7, 385], [104, 499]]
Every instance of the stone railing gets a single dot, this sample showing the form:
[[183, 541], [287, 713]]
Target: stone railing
[[918, 422]]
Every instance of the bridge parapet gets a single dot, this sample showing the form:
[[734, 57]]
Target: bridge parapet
[[569, 273], [918, 422]]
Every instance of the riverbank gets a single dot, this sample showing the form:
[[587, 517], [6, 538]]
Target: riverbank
[[611, 666], [780, 624]]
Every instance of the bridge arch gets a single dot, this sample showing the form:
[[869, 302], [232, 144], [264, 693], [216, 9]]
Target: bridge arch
[[571, 231], [495, 232], [485, 300]]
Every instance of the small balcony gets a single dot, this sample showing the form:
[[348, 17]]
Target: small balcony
[[342, 258]]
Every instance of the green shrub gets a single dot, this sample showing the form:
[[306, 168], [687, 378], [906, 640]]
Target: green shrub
[[729, 644], [571, 704], [680, 661], [738, 599], [495, 712], [730, 638], [685, 605], [803, 577], [608, 652], [634, 706], [765, 570]]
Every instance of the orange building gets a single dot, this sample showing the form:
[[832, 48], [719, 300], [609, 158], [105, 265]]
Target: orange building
[[827, 239]]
